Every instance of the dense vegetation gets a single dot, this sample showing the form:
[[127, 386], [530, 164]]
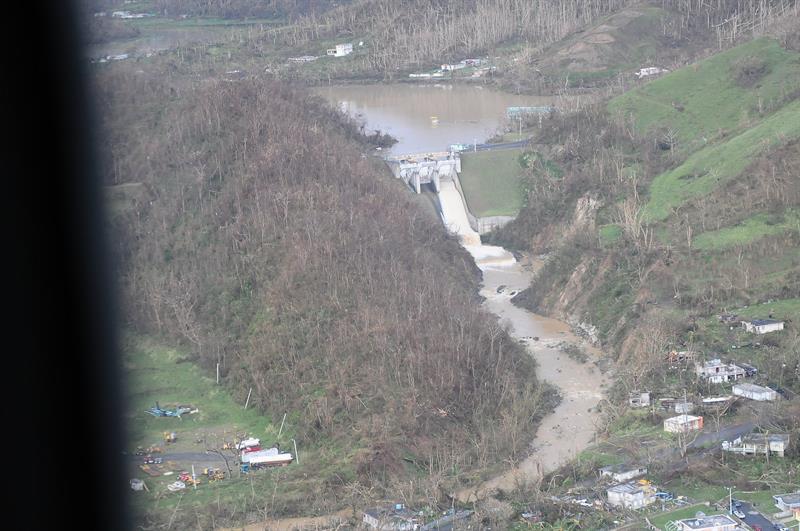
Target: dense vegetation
[[675, 200], [250, 230]]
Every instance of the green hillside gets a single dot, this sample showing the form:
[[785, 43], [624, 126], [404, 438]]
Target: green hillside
[[713, 166], [715, 98]]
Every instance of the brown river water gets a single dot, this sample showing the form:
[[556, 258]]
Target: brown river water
[[571, 427]]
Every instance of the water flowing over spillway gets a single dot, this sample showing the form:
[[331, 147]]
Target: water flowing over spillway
[[454, 216]]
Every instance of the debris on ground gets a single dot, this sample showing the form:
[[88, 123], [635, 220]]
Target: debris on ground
[[176, 486], [158, 411]]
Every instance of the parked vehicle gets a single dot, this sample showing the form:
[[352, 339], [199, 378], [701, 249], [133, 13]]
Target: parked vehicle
[[738, 514]]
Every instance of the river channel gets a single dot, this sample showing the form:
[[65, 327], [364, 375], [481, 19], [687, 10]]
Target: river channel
[[465, 113]]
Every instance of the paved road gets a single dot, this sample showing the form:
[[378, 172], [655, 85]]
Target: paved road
[[194, 457], [755, 518]]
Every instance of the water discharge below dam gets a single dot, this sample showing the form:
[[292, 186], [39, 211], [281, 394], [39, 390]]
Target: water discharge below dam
[[466, 113], [571, 427]]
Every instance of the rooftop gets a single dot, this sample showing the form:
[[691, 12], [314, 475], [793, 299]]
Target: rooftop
[[684, 418], [752, 388], [760, 322], [708, 521], [761, 437], [792, 500], [627, 488]]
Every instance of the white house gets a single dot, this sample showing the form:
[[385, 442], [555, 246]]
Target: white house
[[621, 473], [715, 522], [754, 392], [787, 502], [455, 66], [396, 518], [631, 495], [650, 71], [762, 326], [639, 399], [341, 50], [758, 443], [683, 424], [714, 371]]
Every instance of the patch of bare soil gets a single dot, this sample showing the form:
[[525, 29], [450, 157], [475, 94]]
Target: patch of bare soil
[[330, 521]]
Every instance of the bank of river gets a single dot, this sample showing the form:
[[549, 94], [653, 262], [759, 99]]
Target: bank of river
[[464, 114], [571, 427]]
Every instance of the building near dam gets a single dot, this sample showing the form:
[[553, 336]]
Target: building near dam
[[435, 169], [425, 168]]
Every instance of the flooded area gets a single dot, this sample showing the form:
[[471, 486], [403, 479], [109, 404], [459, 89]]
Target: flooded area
[[429, 117]]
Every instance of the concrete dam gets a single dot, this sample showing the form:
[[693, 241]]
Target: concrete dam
[[441, 170]]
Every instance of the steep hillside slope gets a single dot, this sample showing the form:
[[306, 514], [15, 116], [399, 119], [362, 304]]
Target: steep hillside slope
[[251, 231], [677, 199]]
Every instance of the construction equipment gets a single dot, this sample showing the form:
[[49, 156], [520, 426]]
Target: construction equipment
[[213, 474]]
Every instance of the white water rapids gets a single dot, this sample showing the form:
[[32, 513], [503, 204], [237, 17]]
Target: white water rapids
[[571, 427]]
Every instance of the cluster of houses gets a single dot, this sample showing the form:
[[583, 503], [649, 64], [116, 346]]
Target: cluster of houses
[[479, 65], [789, 505], [713, 371]]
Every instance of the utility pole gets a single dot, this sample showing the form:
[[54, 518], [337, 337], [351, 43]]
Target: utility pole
[[730, 500], [296, 455]]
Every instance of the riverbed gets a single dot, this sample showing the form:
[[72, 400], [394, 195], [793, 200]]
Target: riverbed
[[571, 427], [427, 118]]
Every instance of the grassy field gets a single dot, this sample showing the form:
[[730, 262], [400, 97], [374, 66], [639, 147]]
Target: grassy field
[[661, 520], [707, 103], [749, 230], [715, 165], [154, 373], [491, 181]]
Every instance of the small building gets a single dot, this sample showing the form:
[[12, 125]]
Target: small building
[[717, 372], [787, 502], [622, 473], [632, 495], [451, 67], [683, 406], [683, 424], [755, 392], [303, 59], [639, 399], [341, 50], [675, 356], [393, 518], [716, 402], [758, 444], [714, 522], [650, 71], [762, 326]]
